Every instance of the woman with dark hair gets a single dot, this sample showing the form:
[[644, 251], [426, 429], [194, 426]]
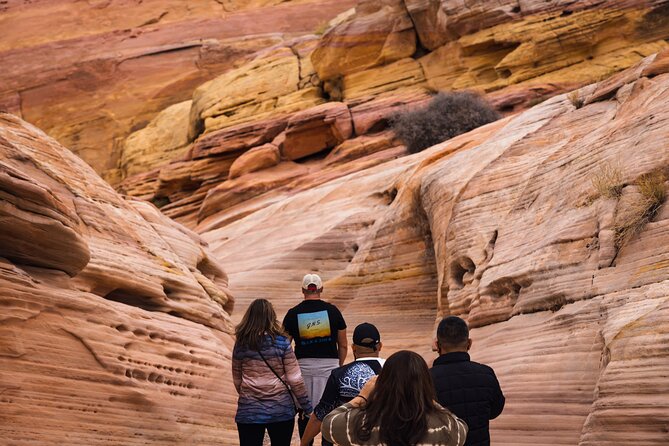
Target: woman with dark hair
[[267, 377], [397, 409]]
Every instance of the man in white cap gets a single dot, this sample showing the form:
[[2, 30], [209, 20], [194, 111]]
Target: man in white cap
[[319, 331]]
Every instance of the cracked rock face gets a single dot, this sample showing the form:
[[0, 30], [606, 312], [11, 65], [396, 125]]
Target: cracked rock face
[[114, 320]]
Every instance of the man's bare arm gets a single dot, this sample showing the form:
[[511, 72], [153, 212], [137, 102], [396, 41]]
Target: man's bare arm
[[342, 346], [313, 428]]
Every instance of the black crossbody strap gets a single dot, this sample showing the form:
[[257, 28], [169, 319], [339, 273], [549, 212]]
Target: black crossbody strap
[[290, 392]]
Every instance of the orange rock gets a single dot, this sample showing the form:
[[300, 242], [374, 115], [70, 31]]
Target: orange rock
[[379, 33], [238, 137], [373, 114], [109, 309], [316, 129], [257, 158]]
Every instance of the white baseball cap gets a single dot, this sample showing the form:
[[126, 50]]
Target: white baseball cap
[[312, 279]]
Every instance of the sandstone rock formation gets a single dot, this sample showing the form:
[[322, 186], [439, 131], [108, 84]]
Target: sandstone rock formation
[[310, 96], [238, 119], [90, 73], [284, 164], [504, 227], [114, 320], [517, 51]]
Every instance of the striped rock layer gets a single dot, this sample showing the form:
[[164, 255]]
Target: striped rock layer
[[90, 73], [300, 104], [504, 227], [114, 320]]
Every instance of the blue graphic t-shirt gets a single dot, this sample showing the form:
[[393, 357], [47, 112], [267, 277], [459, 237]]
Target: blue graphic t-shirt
[[314, 324]]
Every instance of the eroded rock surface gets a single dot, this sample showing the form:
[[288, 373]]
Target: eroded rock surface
[[314, 96], [504, 227], [90, 73], [114, 320]]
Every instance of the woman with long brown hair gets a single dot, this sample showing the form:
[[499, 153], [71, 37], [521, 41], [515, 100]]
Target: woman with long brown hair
[[397, 409], [267, 377]]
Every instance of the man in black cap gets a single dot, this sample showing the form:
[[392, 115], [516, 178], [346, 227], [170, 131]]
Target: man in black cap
[[469, 389], [345, 382]]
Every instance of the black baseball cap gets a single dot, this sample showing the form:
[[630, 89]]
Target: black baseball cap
[[366, 335]]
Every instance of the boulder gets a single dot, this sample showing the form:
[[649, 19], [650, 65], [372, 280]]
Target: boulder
[[257, 158], [164, 139], [316, 129], [379, 33]]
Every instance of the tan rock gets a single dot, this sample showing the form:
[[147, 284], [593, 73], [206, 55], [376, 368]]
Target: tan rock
[[115, 310], [113, 66], [270, 85], [240, 93], [316, 129], [257, 158], [164, 139], [403, 74], [379, 33]]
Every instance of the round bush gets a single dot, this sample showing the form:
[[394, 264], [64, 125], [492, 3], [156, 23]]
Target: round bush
[[445, 116]]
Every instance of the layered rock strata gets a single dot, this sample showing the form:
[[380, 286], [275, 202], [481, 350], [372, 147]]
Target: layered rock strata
[[114, 320], [312, 97], [503, 226], [91, 73]]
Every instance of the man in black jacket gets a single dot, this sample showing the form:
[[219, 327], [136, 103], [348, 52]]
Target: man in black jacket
[[469, 389]]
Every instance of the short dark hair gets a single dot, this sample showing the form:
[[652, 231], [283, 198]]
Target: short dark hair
[[452, 331]]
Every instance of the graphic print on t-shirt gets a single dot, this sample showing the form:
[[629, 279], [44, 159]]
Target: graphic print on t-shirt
[[353, 380], [313, 325]]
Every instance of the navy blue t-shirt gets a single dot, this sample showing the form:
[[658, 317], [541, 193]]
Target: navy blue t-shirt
[[314, 324], [345, 383]]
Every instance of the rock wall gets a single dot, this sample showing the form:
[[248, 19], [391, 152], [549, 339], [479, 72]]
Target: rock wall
[[114, 320], [284, 164], [294, 105], [503, 226], [90, 73]]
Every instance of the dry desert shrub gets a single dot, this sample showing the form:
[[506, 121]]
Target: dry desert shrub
[[652, 194], [445, 116], [575, 99], [608, 181]]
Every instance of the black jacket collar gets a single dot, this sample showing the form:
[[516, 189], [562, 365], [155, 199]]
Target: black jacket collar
[[452, 357]]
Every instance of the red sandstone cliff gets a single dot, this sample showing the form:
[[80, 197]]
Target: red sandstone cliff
[[114, 320], [504, 227], [90, 73], [284, 165]]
